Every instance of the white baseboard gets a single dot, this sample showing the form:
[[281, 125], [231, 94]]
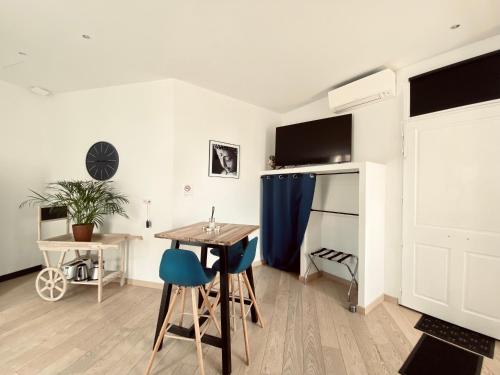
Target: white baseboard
[[145, 284], [362, 310]]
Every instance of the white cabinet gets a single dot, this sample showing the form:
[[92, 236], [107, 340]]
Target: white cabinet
[[360, 190]]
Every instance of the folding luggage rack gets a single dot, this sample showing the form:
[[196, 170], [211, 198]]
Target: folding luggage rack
[[338, 257]]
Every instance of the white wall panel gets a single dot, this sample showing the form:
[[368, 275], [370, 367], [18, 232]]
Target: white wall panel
[[455, 167], [431, 267]]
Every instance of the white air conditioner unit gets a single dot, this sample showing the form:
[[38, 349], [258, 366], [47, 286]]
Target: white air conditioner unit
[[371, 89]]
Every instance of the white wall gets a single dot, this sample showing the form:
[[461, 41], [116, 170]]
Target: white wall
[[23, 126], [161, 131], [137, 120], [377, 138], [201, 115]]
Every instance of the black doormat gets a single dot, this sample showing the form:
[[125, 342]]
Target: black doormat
[[463, 337], [432, 356]]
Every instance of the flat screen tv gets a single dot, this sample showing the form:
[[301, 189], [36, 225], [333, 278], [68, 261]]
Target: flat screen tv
[[322, 141]]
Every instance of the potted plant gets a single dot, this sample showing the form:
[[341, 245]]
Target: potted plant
[[87, 202]]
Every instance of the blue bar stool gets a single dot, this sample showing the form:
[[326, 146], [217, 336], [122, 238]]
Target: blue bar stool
[[182, 269], [239, 262], [236, 248]]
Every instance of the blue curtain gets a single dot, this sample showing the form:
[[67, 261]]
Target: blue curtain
[[286, 205]]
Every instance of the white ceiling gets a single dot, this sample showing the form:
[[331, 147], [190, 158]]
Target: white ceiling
[[277, 54]]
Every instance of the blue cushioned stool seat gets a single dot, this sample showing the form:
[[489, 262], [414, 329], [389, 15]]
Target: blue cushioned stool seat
[[182, 267]]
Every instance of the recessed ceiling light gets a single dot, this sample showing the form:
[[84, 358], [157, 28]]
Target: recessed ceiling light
[[40, 91], [22, 53], [85, 36], [455, 26]]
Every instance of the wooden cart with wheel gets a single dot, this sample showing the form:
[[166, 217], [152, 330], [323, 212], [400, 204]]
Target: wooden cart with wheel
[[51, 283]]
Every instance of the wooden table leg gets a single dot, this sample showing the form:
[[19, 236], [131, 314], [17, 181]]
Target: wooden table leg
[[224, 308], [203, 261], [99, 276], [165, 301]]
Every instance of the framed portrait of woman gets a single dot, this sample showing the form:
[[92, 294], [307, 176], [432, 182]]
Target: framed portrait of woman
[[224, 160]]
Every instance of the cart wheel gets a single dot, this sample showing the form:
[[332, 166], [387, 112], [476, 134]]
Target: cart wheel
[[51, 284]]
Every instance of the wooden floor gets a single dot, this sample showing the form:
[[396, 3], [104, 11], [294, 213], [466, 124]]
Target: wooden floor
[[308, 331]]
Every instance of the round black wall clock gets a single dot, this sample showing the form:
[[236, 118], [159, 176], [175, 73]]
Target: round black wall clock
[[102, 161]]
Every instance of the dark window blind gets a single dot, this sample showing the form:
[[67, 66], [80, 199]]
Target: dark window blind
[[467, 82]]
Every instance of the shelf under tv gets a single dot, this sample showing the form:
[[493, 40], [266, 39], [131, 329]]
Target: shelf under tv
[[321, 168]]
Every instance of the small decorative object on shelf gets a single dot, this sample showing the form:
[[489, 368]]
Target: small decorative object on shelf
[[87, 203], [272, 162]]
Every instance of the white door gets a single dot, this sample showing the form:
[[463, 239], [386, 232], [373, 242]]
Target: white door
[[451, 250]]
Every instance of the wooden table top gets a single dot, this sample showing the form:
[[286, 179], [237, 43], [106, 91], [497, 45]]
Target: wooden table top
[[228, 235], [98, 240]]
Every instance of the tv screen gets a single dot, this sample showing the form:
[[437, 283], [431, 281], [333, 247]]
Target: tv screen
[[322, 141]]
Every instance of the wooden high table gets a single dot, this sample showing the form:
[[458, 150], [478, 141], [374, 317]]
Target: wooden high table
[[195, 235]]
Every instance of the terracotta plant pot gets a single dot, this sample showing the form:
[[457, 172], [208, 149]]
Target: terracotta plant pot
[[83, 232]]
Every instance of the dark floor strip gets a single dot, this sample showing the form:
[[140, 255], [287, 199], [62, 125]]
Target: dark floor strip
[[432, 356]]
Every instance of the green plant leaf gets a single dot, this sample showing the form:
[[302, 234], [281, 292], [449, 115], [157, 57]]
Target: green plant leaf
[[88, 202]]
